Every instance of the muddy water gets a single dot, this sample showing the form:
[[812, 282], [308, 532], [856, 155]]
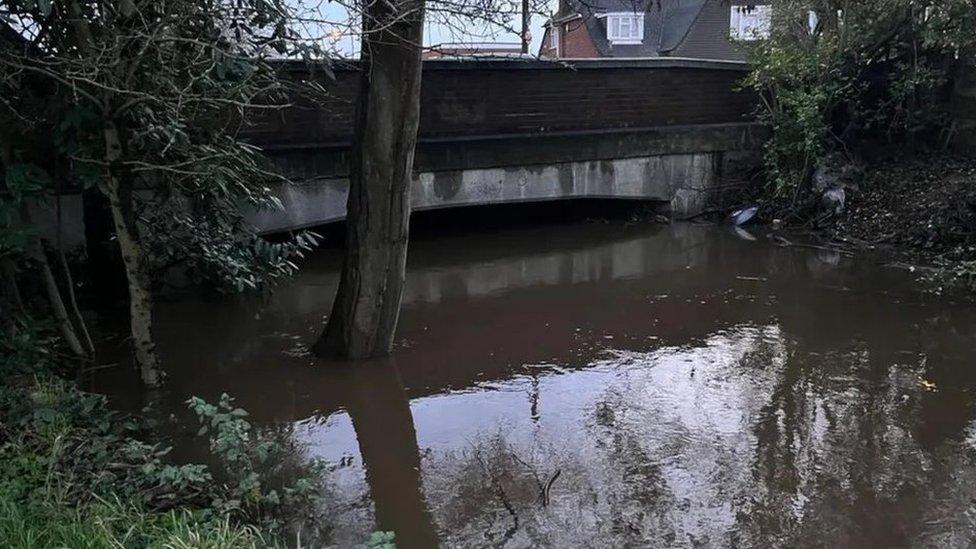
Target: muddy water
[[597, 385]]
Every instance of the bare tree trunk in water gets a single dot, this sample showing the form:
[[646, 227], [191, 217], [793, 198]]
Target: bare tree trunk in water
[[119, 190], [367, 305]]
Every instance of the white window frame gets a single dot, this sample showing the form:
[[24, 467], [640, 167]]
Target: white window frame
[[634, 31], [750, 22], [554, 38]]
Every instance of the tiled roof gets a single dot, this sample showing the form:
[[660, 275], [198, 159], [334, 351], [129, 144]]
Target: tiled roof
[[666, 23]]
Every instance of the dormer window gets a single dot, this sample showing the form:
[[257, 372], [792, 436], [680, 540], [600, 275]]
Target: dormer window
[[625, 28]]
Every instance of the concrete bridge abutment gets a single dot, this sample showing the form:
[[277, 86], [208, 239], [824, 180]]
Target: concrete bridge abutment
[[679, 167], [496, 131]]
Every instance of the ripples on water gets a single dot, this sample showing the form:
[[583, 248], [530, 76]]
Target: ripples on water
[[617, 385]]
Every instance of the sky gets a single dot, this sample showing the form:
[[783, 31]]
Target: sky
[[345, 43]]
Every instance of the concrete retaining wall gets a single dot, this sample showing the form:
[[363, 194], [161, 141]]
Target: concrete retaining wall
[[677, 166], [682, 181], [504, 131]]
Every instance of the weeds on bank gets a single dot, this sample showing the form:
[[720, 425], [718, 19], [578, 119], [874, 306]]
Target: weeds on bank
[[73, 473]]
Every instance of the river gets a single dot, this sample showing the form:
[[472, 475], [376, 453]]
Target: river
[[615, 384]]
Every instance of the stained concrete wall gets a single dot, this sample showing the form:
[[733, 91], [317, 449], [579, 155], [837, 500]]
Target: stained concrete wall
[[682, 181], [496, 132], [679, 167]]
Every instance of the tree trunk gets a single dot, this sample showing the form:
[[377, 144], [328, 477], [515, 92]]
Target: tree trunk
[[367, 305], [119, 190], [35, 250]]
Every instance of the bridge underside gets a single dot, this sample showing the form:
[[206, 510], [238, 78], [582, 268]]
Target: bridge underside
[[677, 166]]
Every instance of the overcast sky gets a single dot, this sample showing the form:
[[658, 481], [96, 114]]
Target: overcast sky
[[346, 43]]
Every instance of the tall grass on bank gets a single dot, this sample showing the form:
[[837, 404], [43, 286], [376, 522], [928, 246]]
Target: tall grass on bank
[[114, 523], [73, 473]]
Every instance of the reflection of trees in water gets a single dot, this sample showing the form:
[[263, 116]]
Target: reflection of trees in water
[[635, 502], [755, 438], [495, 492], [839, 457], [644, 470], [672, 443], [951, 519]]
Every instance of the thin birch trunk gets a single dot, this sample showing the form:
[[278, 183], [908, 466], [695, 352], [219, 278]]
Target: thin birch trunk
[[80, 323], [69, 283], [119, 191]]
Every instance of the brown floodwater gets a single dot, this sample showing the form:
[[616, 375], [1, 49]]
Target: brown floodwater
[[615, 385]]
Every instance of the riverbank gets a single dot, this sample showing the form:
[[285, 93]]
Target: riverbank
[[75, 473], [918, 211]]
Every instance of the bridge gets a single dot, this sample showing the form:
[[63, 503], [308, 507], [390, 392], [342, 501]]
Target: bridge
[[505, 131]]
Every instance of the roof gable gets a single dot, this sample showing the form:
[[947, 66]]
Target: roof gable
[[666, 23]]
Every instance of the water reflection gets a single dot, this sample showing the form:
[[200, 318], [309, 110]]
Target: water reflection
[[617, 385], [380, 413]]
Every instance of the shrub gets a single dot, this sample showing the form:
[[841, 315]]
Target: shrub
[[74, 473], [877, 70]]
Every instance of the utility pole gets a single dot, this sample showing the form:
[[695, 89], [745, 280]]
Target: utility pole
[[525, 26]]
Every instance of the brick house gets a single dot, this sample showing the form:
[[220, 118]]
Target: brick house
[[702, 29]]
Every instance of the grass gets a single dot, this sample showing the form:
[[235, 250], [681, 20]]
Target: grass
[[116, 524], [75, 474]]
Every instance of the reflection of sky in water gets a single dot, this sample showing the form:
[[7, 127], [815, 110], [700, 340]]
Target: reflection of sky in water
[[689, 409], [687, 386], [675, 444]]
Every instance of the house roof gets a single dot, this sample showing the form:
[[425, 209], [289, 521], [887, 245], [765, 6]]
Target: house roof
[[666, 24]]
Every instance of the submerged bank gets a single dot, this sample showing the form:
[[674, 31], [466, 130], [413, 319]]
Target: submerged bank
[[918, 211]]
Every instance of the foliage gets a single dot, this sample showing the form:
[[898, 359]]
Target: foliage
[[870, 70], [380, 540], [262, 482], [74, 473], [114, 523], [22, 182], [952, 275], [66, 445], [193, 73], [800, 89]]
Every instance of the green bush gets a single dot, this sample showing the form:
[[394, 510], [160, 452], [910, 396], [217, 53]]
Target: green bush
[[875, 70], [265, 479], [74, 473]]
